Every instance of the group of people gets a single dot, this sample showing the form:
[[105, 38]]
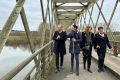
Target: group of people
[[80, 41]]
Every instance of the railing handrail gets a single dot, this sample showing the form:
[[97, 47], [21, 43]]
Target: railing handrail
[[20, 66], [115, 41]]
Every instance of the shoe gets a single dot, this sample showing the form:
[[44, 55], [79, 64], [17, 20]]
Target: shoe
[[61, 67], [89, 71], [57, 70], [99, 70], [103, 70], [71, 70], [77, 73], [84, 68]]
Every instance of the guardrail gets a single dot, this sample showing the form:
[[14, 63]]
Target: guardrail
[[41, 65], [116, 46]]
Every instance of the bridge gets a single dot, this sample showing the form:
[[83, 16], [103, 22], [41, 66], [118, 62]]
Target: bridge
[[65, 12]]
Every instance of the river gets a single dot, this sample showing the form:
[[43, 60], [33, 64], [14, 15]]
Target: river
[[10, 57]]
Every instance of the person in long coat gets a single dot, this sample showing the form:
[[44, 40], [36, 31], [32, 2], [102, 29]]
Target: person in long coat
[[59, 46], [101, 41], [87, 43], [74, 47]]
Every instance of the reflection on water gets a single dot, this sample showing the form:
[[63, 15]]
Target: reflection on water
[[12, 56]]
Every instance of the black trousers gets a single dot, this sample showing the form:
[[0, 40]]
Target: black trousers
[[101, 58], [87, 59], [59, 59]]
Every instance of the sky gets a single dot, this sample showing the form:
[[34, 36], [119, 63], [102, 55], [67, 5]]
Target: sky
[[33, 12], [32, 9]]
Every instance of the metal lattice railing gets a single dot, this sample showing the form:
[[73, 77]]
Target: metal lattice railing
[[96, 16], [38, 66], [43, 56]]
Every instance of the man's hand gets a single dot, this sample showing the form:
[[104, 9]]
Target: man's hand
[[112, 49], [58, 37], [97, 46], [74, 40]]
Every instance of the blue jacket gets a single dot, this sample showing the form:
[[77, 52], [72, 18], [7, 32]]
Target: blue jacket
[[103, 42], [74, 47], [59, 44]]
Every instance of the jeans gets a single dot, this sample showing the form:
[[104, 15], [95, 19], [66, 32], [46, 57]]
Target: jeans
[[59, 60], [76, 55], [101, 58]]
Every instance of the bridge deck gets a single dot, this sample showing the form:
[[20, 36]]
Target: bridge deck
[[84, 75]]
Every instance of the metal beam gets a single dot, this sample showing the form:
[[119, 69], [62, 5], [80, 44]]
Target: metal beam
[[66, 23], [20, 66], [27, 30], [98, 15], [91, 19], [68, 12], [73, 1], [88, 7], [43, 37], [67, 17], [55, 13], [10, 23], [81, 24], [60, 4], [71, 7], [91, 13], [108, 24], [42, 10]]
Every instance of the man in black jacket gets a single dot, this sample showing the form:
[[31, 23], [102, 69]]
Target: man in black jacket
[[101, 41]]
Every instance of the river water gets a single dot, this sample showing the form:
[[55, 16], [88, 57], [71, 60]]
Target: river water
[[11, 57]]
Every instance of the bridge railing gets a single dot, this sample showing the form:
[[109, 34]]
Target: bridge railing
[[116, 47], [41, 57], [39, 73]]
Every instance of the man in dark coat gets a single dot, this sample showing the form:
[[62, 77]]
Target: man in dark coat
[[74, 48], [101, 41], [59, 46]]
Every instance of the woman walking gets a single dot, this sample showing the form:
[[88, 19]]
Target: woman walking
[[87, 42]]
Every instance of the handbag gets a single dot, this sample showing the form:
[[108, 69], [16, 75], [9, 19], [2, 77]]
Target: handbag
[[86, 48]]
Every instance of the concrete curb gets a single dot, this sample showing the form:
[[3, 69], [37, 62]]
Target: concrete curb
[[114, 72]]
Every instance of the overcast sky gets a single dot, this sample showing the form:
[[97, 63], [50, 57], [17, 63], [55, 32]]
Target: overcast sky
[[33, 12]]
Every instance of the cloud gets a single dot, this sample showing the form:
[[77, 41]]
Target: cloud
[[34, 16], [32, 9]]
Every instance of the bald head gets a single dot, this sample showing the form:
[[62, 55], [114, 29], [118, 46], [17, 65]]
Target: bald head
[[60, 28]]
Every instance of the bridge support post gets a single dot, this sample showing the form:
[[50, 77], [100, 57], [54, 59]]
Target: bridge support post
[[10, 23], [27, 30], [44, 39], [115, 49], [98, 16]]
